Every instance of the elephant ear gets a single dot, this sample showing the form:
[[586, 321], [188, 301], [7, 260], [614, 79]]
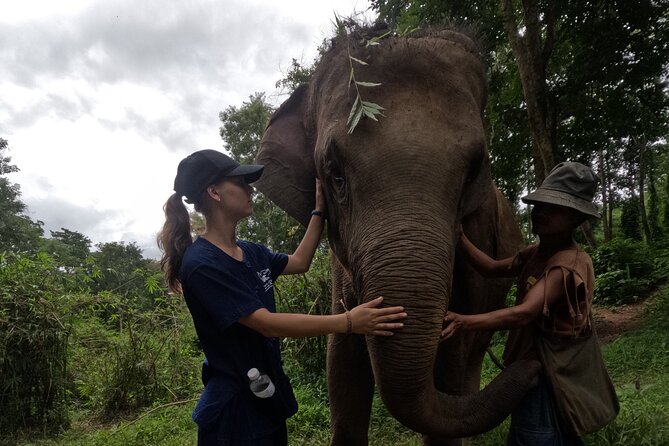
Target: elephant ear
[[288, 156], [477, 188]]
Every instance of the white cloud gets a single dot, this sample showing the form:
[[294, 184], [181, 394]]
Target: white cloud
[[99, 100]]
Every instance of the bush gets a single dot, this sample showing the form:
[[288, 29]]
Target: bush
[[309, 294], [33, 346], [128, 359], [630, 220], [625, 271]]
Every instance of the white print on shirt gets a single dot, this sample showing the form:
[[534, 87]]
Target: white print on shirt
[[266, 276]]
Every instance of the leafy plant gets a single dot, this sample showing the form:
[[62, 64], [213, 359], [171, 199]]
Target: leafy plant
[[310, 294], [625, 271], [33, 346], [130, 358]]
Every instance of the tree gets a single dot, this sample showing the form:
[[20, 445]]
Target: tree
[[18, 233], [69, 248], [122, 269], [296, 75], [244, 126], [663, 169], [531, 34], [630, 221]]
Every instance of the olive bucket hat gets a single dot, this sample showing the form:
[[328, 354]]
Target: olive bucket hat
[[203, 168], [569, 184]]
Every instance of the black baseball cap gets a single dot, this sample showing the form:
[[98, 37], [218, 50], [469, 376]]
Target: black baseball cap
[[203, 168]]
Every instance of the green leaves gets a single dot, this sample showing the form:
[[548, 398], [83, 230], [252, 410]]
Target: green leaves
[[242, 127], [376, 40], [360, 108], [33, 344], [367, 84], [361, 62]]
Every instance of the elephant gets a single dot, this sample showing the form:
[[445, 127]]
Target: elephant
[[397, 192]]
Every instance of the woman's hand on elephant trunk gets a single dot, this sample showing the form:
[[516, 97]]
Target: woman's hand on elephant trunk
[[368, 319], [453, 322]]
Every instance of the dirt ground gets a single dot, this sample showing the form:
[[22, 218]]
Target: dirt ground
[[611, 323]]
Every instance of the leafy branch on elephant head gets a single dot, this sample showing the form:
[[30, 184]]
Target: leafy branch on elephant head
[[360, 106]]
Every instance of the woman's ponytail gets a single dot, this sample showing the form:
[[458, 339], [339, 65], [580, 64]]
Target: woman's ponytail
[[173, 240]]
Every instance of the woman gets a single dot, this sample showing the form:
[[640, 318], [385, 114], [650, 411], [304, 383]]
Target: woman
[[554, 297], [228, 287]]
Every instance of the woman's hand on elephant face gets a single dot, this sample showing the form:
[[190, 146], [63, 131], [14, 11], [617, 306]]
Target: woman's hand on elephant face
[[320, 198], [368, 319], [452, 324]]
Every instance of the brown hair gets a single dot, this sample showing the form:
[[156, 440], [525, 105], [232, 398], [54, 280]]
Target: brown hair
[[173, 240]]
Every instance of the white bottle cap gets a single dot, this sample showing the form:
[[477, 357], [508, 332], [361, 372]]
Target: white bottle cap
[[253, 374]]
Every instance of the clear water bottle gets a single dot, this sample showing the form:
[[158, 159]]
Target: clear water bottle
[[260, 384]]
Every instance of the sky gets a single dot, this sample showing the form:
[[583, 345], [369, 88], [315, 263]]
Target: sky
[[101, 99]]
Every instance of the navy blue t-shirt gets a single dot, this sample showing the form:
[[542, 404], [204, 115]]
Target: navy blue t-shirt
[[219, 290]]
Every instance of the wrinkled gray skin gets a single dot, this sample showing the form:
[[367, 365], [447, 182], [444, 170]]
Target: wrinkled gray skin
[[397, 192]]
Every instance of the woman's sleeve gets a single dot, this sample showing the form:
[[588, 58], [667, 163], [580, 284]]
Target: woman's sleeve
[[277, 261]]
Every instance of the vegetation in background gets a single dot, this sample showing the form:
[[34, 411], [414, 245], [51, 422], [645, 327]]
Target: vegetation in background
[[33, 346], [18, 233], [638, 363], [627, 270]]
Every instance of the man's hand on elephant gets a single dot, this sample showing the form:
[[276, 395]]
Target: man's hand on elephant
[[368, 319], [452, 323]]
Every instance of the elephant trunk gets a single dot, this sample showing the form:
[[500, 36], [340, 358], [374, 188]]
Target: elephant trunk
[[413, 267]]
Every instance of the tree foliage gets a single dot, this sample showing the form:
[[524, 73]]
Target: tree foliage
[[18, 233], [70, 249], [244, 126], [122, 270], [296, 75], [33, 345]]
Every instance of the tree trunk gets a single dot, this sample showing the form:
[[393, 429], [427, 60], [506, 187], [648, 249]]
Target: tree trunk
[[603, 175], [665, 217], [589, 235], [642, 195], [532, 53], [609, 194], [653, 199]]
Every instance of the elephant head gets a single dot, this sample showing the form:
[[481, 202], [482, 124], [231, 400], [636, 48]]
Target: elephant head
[[397, 192]]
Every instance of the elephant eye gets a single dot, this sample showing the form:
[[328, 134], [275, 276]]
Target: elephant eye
[[334, 171], [339, 185]]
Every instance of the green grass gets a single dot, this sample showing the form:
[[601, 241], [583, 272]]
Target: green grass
[[638, 363], [170, 426]]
